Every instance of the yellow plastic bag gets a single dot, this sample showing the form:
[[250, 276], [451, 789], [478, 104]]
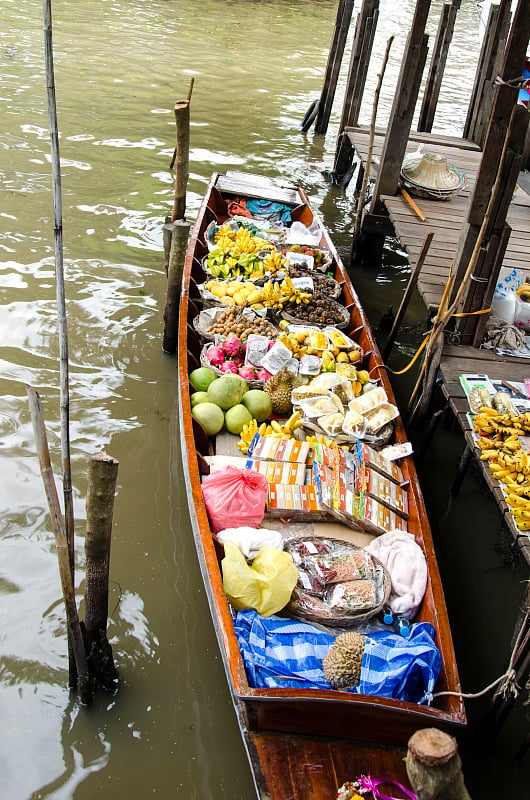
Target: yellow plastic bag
[[265, 585]]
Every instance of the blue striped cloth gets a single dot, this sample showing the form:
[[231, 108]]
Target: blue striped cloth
[[281, 653]]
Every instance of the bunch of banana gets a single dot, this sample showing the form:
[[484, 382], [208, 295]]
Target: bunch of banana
[[276, 294], [274, 428], [510, 465], [273, 262], [239, 241], [490, 422]]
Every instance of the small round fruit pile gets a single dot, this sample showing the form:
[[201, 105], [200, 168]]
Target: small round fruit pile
[[233, 320], [318, 311], [226, 402]]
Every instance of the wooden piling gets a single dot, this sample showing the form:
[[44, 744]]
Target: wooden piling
[[434, 767], [102, 476], [362, 194], [182, 119], [177, 259], [75, 635], [336, 53], [405, 97], [444, 38], [501, 161], [489, 64], [358, 70]]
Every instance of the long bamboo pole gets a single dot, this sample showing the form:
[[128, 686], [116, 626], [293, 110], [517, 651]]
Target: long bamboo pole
[[366, 176], [60, 295], [75, 635]]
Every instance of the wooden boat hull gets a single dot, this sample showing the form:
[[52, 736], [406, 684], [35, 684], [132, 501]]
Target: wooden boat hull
[[330, 728]]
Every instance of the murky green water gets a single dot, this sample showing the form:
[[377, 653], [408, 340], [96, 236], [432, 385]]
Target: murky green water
[[119, 67]]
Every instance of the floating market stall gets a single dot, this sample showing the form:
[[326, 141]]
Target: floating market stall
[[309, 522]]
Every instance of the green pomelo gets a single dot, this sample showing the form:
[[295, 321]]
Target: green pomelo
[[258, 403], [236, 417], [201, 378], [227, 391], [210, 417], [198, 397]]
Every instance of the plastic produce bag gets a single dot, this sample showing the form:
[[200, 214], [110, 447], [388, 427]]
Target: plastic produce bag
[[251, 540], [265, 585], [235, 497]]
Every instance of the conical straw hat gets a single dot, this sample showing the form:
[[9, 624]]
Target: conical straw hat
[[432, 171]]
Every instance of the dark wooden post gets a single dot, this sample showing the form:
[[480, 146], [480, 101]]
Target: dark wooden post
[[502, 156], [434, 767], [489, 65], [336, 52], [358, 69], [182, 119], [444, 38], [405, 97], [75, 636], [177, 259], [102, 476]]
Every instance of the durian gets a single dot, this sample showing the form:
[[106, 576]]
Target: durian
[[279, 387], [342, 663]]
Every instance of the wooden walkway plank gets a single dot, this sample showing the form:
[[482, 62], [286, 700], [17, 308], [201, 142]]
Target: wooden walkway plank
[[444, 218]]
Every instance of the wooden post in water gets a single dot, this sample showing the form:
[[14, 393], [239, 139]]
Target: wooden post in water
[[362, 194], [358, 69], [75, 636], [336, 52], [501, 160], [102, 476], [405, 97], [182, 118], [489, 64], [177, 259], [444, 38], [434, 767]]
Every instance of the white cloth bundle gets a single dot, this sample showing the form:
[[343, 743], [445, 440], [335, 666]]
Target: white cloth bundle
[[251, 540], [407, 567]]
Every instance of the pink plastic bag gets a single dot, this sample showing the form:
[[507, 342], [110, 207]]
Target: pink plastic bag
[[235, 497]]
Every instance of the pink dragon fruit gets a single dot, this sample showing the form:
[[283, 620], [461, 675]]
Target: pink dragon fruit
[[238, 361], [232, 345], [247, 373], [216, 356], [263, 375], [228, 366]]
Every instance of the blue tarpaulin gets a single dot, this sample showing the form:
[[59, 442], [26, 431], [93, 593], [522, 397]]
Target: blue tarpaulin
[[280, 653]]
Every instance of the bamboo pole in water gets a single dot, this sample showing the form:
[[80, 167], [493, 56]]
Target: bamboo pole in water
[[60, 297], [102, 476], [366, 176], [75, 635]]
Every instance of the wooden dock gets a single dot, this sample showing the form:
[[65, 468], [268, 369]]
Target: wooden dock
[[457, 360], [444, 218]]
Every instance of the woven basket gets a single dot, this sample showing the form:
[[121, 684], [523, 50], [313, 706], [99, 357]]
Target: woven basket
[[345, 620], [207, 317], [344, 313], [205, 363], [328, 257]]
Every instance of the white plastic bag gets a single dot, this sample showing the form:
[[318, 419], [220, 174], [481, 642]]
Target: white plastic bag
[[251, 540]]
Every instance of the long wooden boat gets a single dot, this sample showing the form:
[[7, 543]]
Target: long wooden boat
[[305, 743]]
